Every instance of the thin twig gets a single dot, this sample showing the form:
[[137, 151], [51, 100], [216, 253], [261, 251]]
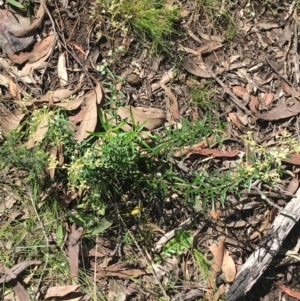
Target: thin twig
[[296, 56], [277, 72], [265, 198], [46, 239], [228, 91]]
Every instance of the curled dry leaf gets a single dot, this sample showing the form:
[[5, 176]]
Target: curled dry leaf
[[61, 291], [228, 267], [150, 118], [30, 30], [19, 268], [20, 291], [9, 119], [232, 116], [40, 50], [194, 69], [169, 75], [10, 22], [90, 118], [174, 103], [209, 47], [269, 97]]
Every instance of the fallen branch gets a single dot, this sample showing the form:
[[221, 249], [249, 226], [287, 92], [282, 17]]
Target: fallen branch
[[260, 259]]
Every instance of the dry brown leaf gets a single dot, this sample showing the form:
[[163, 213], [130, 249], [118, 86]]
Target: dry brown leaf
[[254, 103], [122, 274], [7, 271], [9, 22], [15, 90], [73, 250], [194, 69], [239, 91], [28, 30], [4, 80], [20, 291], [293, 158], [61, 291], [218, 254], [169, 75], [281, 111], [62, 70], [19, 268], [90, 118], [287, 88], [174, 103], [213, 152], [228, 267], [116, 291], [266, 26], [209, 47], [71, 105], [210, 37], [232, 116], [285, 35], [40, 50], [150, 118], [269, 97], [293, 186], [289, 291], [9, 120], [39, 134], [179, 152]]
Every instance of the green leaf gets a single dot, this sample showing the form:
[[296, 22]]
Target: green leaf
[[60, 235], [15, 3]]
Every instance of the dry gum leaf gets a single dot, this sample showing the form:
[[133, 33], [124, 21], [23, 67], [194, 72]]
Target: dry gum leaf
[[194, 69], [150, 118], [61, 291], [90, 117], [8, 23], [281, 111], [39, 50]]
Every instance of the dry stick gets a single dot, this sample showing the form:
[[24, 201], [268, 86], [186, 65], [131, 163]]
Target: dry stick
[[260, 259], [296, 56], [277, 72], [227, 90], [57, 34]]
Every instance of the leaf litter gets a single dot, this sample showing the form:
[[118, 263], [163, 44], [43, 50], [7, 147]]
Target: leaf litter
[[254, 92]]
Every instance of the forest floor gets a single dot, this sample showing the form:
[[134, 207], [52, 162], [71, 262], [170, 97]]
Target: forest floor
[[148, 149]]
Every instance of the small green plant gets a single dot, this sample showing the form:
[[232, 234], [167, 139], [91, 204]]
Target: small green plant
[[218, 12], [176, 246], [149, 20], [267, 162], [13, 3], [202, 95]]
